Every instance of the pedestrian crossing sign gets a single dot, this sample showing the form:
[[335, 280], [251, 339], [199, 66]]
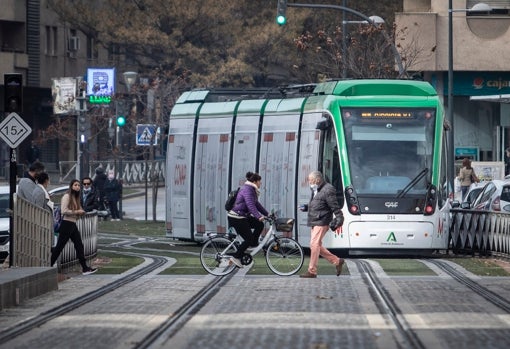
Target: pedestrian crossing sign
[[147, 134]]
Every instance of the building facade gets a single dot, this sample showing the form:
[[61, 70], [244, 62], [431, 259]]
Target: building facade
[[481, 73], [34, 42]]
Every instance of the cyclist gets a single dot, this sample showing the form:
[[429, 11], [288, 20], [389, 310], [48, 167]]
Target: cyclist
[[247, 214]]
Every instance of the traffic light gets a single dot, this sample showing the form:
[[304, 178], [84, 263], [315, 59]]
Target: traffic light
[[281, 18], [83, 127], [121, 120], [13, 93]]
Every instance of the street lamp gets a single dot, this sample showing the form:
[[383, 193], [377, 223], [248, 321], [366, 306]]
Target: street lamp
[[480, 7], [374, 19], [369, 20], [129, 80]]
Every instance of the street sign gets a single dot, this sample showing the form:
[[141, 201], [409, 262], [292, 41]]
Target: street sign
[[14, 130], [145, 134]]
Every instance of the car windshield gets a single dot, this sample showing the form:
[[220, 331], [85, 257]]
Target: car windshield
[[4, 205]]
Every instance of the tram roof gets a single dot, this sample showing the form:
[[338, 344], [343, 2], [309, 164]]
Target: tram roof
[[346, 88]]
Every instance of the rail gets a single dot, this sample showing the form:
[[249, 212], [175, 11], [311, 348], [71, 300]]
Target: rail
[[480, 232], [34, 237]]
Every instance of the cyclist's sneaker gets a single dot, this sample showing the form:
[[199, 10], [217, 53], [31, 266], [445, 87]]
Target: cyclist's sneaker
[[236, 261], [89, 271]]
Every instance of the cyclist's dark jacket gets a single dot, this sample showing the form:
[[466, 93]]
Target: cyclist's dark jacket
[[322, 206], [247, 203]]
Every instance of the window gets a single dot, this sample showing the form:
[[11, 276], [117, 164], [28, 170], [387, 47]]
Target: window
[[51, 40]]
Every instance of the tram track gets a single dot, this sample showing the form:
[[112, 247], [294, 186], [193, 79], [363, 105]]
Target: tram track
[[388, 306], [39, 320], [483, 291]]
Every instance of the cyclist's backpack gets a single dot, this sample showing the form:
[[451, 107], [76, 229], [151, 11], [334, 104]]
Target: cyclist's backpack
[[231, 199], [57, 218]]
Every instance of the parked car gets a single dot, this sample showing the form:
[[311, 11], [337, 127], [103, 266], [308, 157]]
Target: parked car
[[473, 192], [489, 199], [4, 222]]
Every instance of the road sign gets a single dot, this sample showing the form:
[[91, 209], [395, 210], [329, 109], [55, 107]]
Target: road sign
[[14, 130], [145, 134]]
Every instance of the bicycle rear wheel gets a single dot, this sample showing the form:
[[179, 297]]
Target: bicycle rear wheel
[[215, 255], [284, 256]]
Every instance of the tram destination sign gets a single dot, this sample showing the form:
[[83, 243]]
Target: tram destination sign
[[14, 130]]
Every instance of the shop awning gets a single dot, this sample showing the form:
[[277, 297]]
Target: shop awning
[[492, 98]]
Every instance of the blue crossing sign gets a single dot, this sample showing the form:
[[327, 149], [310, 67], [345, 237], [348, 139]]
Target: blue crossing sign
[[147, 134]]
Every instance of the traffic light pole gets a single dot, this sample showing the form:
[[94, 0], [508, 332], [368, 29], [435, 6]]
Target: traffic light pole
[[398, 59]]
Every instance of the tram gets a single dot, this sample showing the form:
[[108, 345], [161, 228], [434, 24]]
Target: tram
[[381, 143]]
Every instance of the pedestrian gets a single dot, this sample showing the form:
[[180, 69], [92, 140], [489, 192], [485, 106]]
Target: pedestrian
[[467, 176], [40, 195], [71, 210], [33, 153], [99, 180], [27, 184], [507, 161], [89, 197], [247, 214], [113, 190], [323, 204]]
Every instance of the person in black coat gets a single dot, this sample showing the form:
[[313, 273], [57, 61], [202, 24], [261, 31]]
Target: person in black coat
[[113, 190], [89, 196], [99, 180]]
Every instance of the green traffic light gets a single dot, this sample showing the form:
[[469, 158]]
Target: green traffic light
[[281, 19], [121, 120]]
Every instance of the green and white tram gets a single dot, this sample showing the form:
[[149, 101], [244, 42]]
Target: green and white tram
[[381, 143]]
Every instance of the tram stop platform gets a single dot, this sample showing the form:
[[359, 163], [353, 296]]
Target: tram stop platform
[[20, 284]]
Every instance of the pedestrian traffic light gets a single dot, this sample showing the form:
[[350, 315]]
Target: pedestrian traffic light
[[121, 120], [13, 93], [281, 18]]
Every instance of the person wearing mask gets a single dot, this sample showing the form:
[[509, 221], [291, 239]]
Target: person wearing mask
[[247, 214], [71, 210], [323, 203], [40, 195], [89, 197], [27, 184], [112, 191]]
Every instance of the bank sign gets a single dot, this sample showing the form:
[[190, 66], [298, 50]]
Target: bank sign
[[479, 83]]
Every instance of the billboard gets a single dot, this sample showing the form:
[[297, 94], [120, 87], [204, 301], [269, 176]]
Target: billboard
[[100, 84], [63, 91]]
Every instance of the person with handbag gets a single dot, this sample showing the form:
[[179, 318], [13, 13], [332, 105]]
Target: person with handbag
[[323, 204], [467, 176]]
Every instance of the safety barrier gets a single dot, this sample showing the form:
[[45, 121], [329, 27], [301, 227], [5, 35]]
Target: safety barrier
[[480, 232], [34, 237], [33, 234], [132, 171]]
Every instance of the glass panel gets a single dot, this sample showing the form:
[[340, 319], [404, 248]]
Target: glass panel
[[389, 147]]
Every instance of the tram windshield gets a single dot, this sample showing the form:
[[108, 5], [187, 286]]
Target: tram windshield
[[389, 149]]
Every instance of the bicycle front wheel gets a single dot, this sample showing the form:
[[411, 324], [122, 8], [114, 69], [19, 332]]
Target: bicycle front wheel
[[284, 256], [215, 255]]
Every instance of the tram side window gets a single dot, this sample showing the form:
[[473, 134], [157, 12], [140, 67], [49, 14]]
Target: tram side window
[[331, 164]]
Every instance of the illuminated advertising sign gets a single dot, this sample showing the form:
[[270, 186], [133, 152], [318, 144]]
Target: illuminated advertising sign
[[100, 84]]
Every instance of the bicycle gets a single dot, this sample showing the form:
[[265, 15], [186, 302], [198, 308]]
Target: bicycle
[[284, 256]]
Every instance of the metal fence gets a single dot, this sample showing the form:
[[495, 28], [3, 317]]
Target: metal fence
[[34, 237], [479, 232], [132, 171]]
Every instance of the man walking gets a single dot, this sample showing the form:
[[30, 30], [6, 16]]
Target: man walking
[[321, 207]]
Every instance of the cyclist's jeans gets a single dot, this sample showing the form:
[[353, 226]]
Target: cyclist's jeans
[[243, 227], [316, 249]]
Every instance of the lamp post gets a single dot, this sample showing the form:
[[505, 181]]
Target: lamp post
[[375, 19], [129, 80], [480, 7], [396, 54]]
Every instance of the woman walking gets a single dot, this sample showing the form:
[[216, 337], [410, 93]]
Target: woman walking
[[71, 210]]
